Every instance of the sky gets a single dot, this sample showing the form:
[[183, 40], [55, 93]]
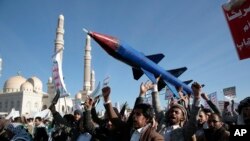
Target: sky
[[190, 33]]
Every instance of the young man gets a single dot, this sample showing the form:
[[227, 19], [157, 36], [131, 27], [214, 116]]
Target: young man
[[40, 132], [177, 126], [216, 131], [143, 115]]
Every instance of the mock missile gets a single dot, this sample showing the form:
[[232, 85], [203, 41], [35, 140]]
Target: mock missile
[[140, 63]]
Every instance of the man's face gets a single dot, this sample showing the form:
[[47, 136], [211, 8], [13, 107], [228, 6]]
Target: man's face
[[109, 125], [139, 120], [246, 115], [77, 116], [37, 122], [175, 116], [214, 122], [202, 118]]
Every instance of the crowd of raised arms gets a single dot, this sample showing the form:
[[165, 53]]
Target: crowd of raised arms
[[180, 121]]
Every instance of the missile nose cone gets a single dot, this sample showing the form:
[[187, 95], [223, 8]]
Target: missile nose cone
[[85, 30], [109, 43]]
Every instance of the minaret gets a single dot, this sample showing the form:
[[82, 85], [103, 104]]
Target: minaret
[[59, 46], [87, 67], [1, 66], [59, 42], [92, 80]]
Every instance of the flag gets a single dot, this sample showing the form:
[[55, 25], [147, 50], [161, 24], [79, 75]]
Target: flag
[[96, 91], [169, 94], [237, 14], [213, 98], [230, 92], [58, 76]]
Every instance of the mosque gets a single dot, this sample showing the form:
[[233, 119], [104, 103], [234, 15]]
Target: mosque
[[26, 95]]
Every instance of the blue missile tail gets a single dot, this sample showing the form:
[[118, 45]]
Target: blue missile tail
[[140, 63]]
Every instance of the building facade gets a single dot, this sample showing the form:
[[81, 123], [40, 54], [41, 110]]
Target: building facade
[[25, 95]]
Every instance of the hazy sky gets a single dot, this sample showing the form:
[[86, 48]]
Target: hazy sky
[[191, 33]]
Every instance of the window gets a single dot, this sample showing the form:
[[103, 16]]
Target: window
[[12, 104], [6, 104], [68, 108], [18, 103]]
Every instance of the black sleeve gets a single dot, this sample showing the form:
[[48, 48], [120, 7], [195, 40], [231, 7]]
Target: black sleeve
[[41, 134]]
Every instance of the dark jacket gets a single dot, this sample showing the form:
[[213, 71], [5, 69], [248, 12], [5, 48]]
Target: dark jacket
[[65, 129], [151, 135], [126, 127], [100, 133], [217, 135], [40, 134]]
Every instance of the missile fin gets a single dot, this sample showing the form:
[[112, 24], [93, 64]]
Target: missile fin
[[137, 73], [172, 89], [177, 72], [161, 84], [188, 81], [156, 57]]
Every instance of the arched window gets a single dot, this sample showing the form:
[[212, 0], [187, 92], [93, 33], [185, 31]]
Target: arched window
[[6, 104], [18, 103], [11, 104], [18, 106], [68, 108], [62, 108], [36, 107]]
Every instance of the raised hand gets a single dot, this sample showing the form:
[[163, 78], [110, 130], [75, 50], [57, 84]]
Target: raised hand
[[226, 104], [105, 93], [88, 103], [196, 87], [96, 100], [145, 87]]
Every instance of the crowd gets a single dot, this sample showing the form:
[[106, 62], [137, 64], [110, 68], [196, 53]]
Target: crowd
[[183, 120]]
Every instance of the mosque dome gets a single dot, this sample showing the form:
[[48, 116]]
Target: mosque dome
[[37, 83], [50, 80], [27, 86], [14, 83], [78, 96]]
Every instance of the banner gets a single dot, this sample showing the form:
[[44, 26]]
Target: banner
[[237, 13], [230, 92], [58, 75], [96, 91]]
